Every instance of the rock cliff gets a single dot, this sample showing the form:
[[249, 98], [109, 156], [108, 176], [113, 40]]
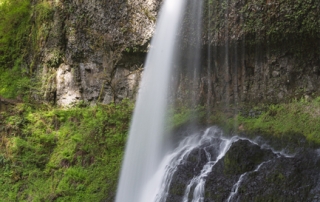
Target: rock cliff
[[257, 51], [94, 50]]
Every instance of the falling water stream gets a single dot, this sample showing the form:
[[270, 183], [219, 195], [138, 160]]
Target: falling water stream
[[215, 145], [236, 185], [149, 164], [147, 142]]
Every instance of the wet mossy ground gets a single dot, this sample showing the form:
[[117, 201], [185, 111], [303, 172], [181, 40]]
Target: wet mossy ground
[[53, 154], [285, 125]]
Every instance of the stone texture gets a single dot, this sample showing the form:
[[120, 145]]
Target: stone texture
[[67, 92], [87, 46], [240, 74], [104, 43], [266, 176]]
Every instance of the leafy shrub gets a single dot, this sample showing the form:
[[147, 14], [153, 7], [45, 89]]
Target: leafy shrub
[[14, 30]]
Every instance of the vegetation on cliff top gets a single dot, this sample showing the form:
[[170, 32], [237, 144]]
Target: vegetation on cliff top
[[14, 31], [263, 20]]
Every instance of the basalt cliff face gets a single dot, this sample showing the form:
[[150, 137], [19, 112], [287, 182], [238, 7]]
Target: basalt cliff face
[[93, 51], [258, 51]]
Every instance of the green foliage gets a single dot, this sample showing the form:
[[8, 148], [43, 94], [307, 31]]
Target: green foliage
[[15, 27], [14, 30], [52, 154], [227, 122], [14, 82], [43, 11], [43, 16], [23, 28], [297, 117]]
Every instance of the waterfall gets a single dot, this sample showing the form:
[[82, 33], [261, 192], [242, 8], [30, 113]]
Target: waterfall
[[215, 145], [154, 172], [212, 137], [200, 180], [147, 141]]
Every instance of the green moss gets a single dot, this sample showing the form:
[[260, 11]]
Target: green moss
[[177, 189], [260, 20], [14, 29], [182, 115], [296, 117], [23, 29], [277, 178], [52, 154], [14, 82], [293, 121]]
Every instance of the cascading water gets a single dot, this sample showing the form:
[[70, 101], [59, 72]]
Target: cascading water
[[215, 147], [210, 138], [236, 185], [199, 181], [147, 172], [147, 141], [151, 170]]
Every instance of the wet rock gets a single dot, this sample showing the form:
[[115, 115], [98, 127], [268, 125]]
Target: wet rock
[[190, 167], [283, 179], [265, 175], [242, 157]]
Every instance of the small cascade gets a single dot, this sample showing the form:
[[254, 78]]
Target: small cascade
[[179, 155], [199, 181], [235, 187], [154, 172], [215, 147]]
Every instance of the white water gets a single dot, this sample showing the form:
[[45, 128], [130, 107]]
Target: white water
[[211, 138], [173, 160], [147, 142], [199, 181], [147, 171], [235, 187]]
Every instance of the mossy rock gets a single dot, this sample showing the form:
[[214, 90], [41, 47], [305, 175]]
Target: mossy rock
[[244, 156]]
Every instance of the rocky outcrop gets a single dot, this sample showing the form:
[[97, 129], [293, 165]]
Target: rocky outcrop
[[284, 179], [94, 50], [249, 172]]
